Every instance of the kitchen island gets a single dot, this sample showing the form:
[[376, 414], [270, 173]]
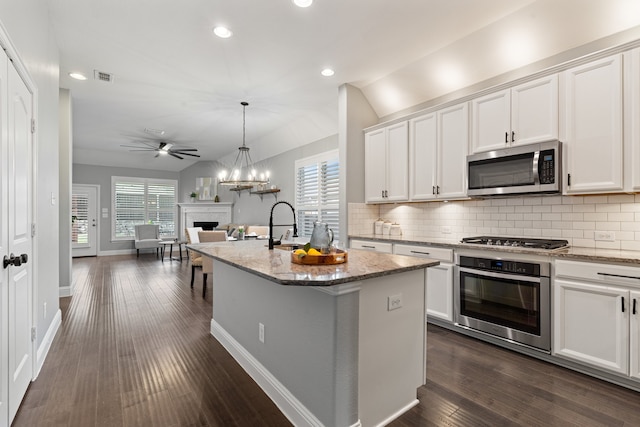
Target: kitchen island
[[340, 345]]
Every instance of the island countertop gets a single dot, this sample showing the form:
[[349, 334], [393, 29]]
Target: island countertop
[[275, 265]]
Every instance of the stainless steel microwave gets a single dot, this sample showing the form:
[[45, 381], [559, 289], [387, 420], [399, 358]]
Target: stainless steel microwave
[[525, 169]]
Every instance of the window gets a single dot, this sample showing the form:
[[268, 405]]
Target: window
[[318, 192], [143, 201]]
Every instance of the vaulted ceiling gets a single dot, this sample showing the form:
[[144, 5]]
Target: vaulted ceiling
[[169, 72]]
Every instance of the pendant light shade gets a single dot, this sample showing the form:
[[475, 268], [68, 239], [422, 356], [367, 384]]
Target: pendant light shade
[[243, 172]]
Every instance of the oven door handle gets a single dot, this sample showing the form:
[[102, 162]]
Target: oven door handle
[[499, 275]]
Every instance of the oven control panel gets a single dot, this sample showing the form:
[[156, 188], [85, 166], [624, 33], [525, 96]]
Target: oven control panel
[[501, 265]]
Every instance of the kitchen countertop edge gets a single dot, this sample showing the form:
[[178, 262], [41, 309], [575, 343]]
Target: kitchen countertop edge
[[372, 266], [573, 252]]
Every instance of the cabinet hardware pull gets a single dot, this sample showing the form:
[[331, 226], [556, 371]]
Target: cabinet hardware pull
[[368, 246], [433, 190], [623, 304], [419, 252], [513, 136], [437, 189], [634, 306], [506, 137], [569, 180], [619, 275], [381, 193]]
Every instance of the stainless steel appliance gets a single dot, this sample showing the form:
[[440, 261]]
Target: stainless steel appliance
[[519, 242], [526, 169], [506, 297]]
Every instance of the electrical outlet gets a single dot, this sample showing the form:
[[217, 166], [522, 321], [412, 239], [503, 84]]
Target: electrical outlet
[[605, 236], [446, 229], [394, 302], [261, 332]]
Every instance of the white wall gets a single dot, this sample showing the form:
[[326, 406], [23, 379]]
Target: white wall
[[66, 144], [27, 23]]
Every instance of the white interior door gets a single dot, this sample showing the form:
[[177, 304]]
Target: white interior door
[[4, 245], [19, 208], [84, 227]]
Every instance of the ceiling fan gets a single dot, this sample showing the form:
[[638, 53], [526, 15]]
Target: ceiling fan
[[163, 148]]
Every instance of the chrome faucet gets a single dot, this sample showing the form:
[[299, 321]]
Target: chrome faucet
[[295, 226]]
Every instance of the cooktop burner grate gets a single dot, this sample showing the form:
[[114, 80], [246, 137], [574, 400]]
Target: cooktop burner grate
[[549, 244]]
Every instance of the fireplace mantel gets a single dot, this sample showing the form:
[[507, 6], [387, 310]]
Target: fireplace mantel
[[204, 211]]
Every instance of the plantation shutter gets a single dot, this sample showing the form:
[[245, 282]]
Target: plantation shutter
[[143, 201], [318, 193]]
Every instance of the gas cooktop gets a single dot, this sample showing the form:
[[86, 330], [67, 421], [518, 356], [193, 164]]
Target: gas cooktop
[[520, 242]]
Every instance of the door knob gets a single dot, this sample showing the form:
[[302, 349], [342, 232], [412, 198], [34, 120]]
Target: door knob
[[16, 261]]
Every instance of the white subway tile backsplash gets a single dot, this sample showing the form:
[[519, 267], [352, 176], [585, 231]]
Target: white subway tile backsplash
[[575, 218]]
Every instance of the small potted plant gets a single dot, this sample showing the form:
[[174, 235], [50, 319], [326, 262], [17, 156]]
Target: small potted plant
[[193, 196]]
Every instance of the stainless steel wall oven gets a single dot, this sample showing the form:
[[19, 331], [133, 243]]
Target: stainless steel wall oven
[[505, 298]]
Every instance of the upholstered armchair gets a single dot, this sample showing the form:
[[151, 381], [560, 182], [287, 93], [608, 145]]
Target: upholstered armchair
[[147, 236]]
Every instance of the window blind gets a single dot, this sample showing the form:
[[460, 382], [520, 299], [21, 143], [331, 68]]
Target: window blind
[[143, 201], [318, 193]]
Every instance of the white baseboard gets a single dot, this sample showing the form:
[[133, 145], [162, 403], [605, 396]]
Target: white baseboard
[[65, 291], [291, 407], [117, 252], [45, 345]]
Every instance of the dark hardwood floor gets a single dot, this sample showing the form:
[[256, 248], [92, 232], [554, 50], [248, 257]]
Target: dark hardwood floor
[[134, 349]]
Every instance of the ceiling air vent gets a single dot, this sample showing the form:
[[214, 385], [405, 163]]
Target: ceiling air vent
[[102, 76]]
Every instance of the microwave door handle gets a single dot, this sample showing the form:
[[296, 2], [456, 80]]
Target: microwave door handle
[[536, 175]]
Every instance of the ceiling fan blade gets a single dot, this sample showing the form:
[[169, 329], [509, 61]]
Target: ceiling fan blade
[[138, 147], [175, 155], [183, 149], [151, 144], [157, 155], [184, 154]]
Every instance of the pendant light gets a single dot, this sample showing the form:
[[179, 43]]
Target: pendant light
[[243, 174]]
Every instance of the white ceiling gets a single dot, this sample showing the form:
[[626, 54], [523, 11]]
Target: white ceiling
[[171, 73]]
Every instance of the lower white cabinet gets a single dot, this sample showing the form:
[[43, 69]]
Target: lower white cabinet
[[439, 294], [369, 245], [596, 320]]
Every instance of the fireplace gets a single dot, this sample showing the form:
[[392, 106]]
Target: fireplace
[[206, 225], [209, 213]]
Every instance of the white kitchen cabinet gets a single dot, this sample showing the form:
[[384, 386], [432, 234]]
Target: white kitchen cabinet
[[369, 245], [631, 119], [386, 153], [438, 145], [520, 115], [439, 292], [596, 315], [592, 127]]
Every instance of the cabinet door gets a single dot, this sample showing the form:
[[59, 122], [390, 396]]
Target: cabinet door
[[590, 326], [439, 294], [422, 157], [534, 111], [631, 120], [375, 151], [491, 121], [453, 145], [397, 163], [634, 340], [366, 245], [593, 127]]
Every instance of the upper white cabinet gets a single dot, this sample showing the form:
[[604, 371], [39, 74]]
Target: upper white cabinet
[[631, 120], [438, 145], [592, 127], [386, 172], [520, 115]]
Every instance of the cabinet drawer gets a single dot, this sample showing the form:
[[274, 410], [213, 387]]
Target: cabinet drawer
[[372, 246], [441, 254], [599, 273]]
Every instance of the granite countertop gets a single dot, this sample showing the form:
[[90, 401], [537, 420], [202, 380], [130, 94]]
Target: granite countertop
[[254, 257], [575, 253]]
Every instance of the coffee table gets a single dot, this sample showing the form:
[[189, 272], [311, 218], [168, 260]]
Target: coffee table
[[170, 243]]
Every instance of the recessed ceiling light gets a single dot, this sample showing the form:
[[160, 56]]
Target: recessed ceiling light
[[78, 76], [302, 3], [327, 72], [222, 32]]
